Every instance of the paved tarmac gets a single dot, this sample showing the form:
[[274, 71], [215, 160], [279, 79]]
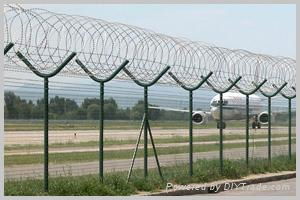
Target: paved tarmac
[[36, 137]]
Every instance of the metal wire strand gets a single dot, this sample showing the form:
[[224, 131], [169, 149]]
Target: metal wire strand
[[46, 39]]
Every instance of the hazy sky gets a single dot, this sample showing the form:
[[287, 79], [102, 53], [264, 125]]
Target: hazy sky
[[261, 28]]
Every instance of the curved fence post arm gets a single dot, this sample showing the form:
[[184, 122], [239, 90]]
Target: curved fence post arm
[[116, 71], [159, 75], [178, 81], [90, 74], [190, 88], [31, 67], [133, 78], [282, 94], [34, 70], [210, 85], [258, 87], [8, 47], [146, 84], [62, 65], [203, 81], [275, 93], [233, 83], [252, 91]]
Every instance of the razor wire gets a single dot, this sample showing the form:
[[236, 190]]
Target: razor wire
[[46, 38]]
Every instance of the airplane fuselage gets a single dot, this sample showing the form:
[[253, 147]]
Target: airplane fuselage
[[234, 106]]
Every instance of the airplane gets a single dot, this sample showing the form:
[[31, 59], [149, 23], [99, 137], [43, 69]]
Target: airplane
[[233, 109]]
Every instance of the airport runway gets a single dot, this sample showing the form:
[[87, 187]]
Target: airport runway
[[36, 137], [36, 170], [129, 146]]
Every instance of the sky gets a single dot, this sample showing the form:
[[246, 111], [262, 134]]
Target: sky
[[260, 28]]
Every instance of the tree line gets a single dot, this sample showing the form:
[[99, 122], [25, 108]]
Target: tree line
[[61, 108], [64, 108]]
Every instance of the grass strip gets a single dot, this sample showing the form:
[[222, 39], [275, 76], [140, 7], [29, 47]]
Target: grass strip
[[115, 182]]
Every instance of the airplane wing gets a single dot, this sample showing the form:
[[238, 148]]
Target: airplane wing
[[168, 109], [204, 118], [174, 109]]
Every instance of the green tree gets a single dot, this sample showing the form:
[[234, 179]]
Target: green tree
[[38, 109], [70, 105], [60, 107], [80, 114], [11, 101], [123, 114], [138, 111], [110, 108], [5, 112], [93, 111], [17, 108], [87, 101], [24, 109]]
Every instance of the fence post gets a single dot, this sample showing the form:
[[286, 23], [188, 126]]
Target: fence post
[[190, 90], [101, 129], [46, 107], [221, 131], [191, 132], [269, 96], [290, 127], [247, 113], [146, 120], [101, 108], [247, 129], [221, 92], [46, 123], [269, 130], [145, 132], [289, 98]]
